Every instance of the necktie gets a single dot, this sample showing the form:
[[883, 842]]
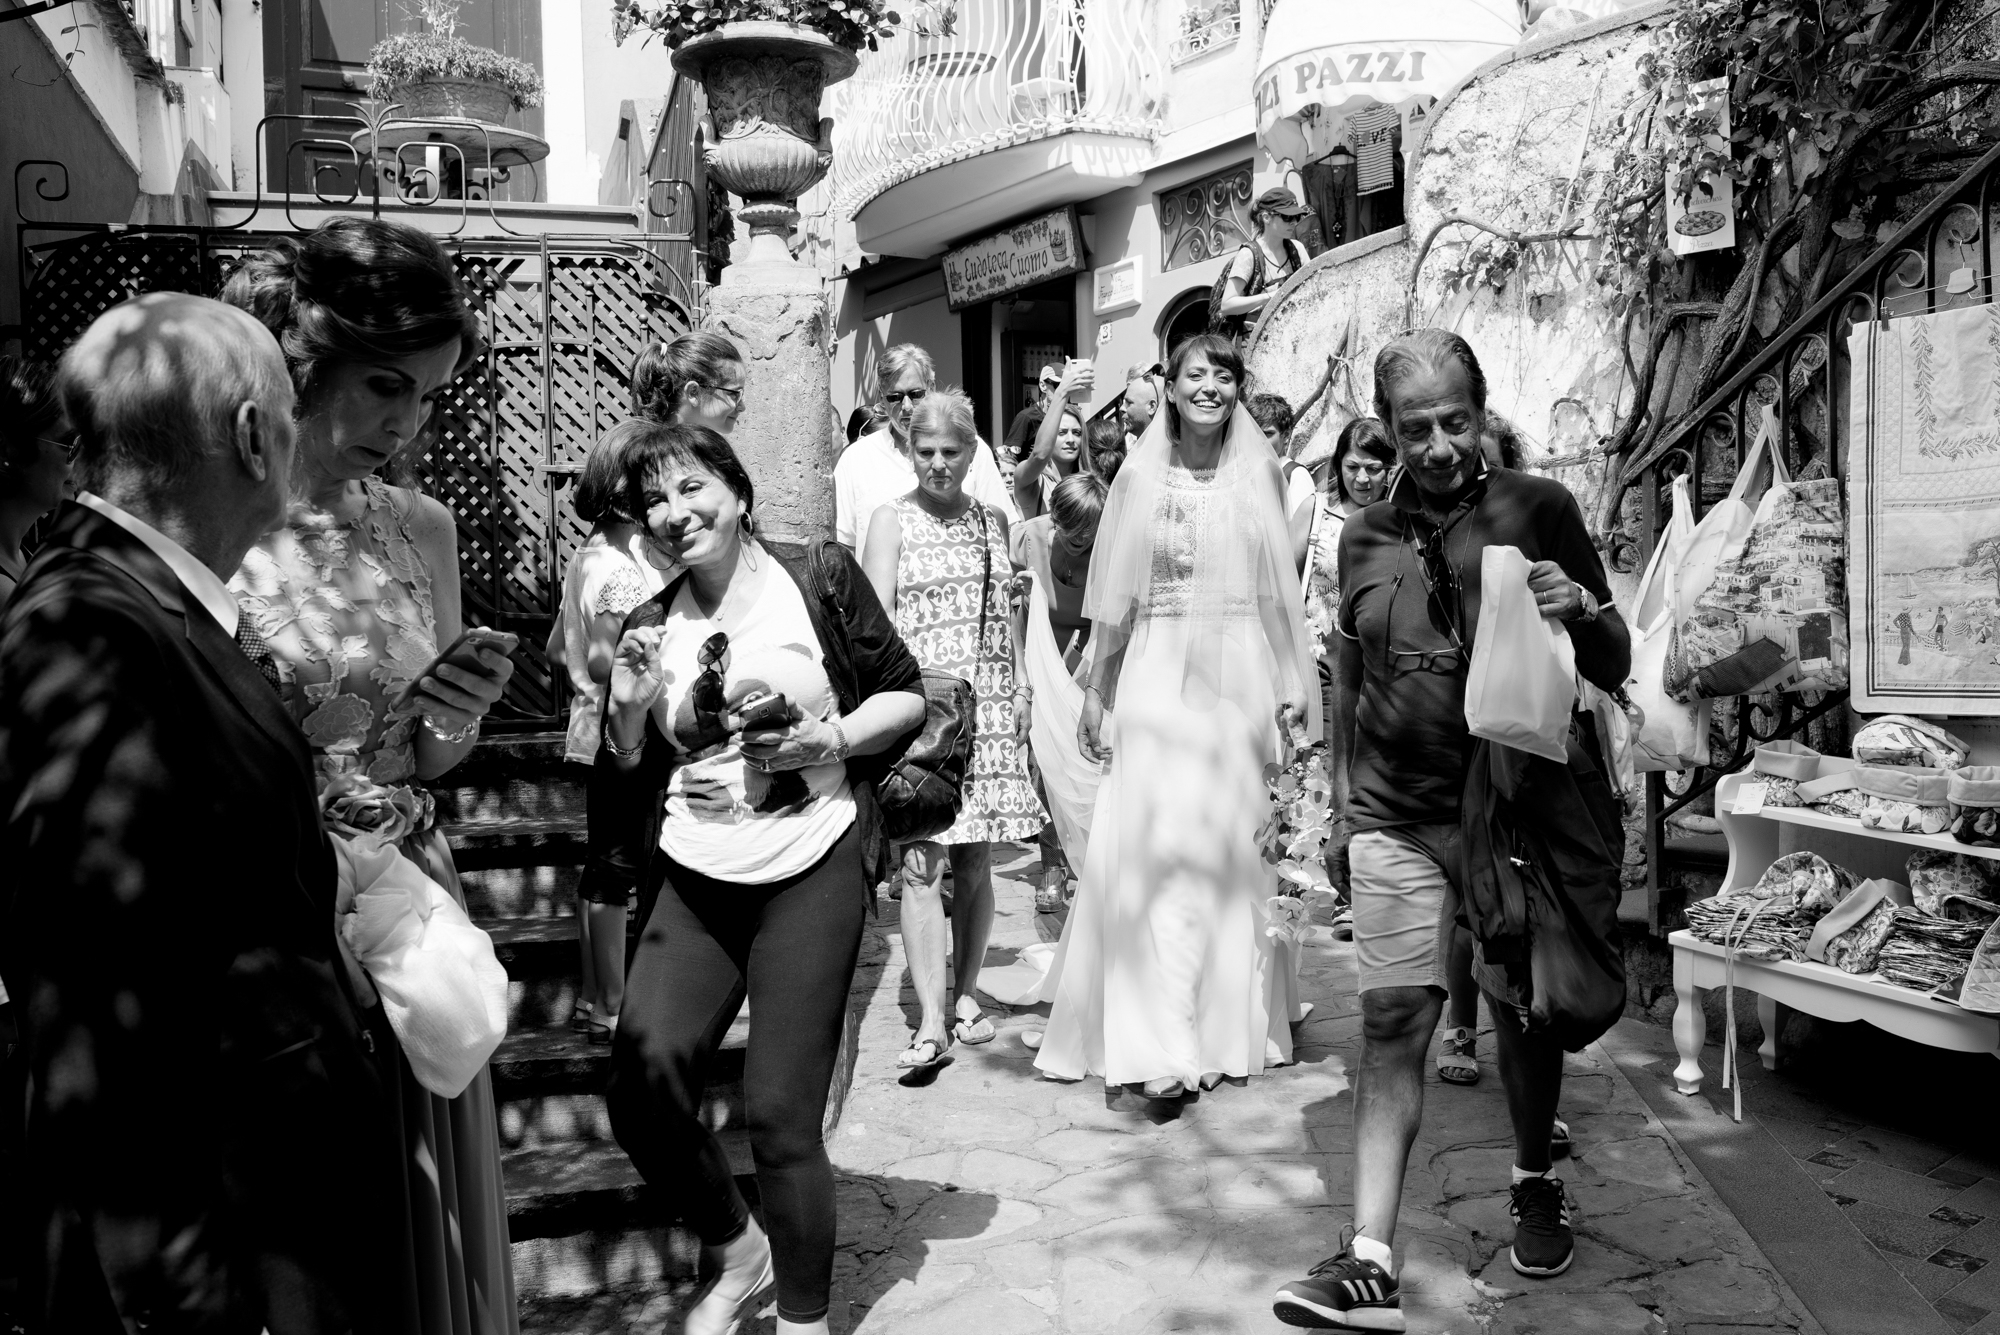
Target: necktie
[[251, 642]]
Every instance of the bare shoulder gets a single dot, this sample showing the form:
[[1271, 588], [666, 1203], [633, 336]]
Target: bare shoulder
[[431, 522]]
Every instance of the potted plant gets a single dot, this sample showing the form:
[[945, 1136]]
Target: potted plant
[[436, 73], [764, 65]]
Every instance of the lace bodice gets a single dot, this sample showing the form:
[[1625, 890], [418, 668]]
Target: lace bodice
[[346, 609]]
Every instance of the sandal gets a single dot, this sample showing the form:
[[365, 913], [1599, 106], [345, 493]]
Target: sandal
[[581, 1017], [1559, 1142], [1049, 897], [913, 1060], [1456, 1063], [975, 1031]]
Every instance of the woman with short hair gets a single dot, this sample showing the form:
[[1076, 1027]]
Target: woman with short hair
[[765, 683], [938, 558]]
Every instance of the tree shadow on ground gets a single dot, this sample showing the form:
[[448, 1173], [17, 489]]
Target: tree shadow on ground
[[889, 1228]]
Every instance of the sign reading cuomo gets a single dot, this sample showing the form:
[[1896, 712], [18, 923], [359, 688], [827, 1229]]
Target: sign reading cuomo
[[1022, 255]]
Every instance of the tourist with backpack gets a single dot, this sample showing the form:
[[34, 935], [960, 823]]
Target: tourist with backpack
[[1261, 266]]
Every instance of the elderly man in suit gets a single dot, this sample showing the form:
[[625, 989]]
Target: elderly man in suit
[[209, 1146]]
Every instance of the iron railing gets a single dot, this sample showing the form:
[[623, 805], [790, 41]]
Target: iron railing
[[1802, 375], [965, 77]]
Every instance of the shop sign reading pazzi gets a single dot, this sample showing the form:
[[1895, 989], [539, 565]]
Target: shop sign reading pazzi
[[1021, 256]]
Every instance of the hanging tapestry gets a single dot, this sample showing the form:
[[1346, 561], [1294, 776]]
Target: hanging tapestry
[[1923, 518]]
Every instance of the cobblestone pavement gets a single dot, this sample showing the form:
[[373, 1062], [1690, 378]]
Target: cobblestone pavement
[[996, 1202]]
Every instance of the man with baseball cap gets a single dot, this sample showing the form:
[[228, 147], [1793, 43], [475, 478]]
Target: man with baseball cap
[[1263, 265]]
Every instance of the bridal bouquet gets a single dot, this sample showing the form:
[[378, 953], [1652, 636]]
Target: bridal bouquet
[[1301, 820]]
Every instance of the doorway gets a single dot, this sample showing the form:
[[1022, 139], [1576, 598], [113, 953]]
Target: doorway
[[1039, 329]]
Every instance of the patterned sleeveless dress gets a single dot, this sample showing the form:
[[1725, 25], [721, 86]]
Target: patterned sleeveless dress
[[938, 602], [347, 612]]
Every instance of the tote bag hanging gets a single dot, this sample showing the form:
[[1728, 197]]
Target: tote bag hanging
[[1672, 735], [1718, 538], [1521, 688], [1774, 612]]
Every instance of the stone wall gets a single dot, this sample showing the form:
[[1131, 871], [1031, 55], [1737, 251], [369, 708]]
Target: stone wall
[[1522, 146]]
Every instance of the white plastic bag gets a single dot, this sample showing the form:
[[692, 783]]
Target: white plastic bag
[[442, 987], [1672, 735], [1521, 688]]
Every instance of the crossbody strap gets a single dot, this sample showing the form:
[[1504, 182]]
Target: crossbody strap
[[985, 579]]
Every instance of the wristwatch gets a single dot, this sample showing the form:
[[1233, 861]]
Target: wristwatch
[[840, 746], [1589, 610]]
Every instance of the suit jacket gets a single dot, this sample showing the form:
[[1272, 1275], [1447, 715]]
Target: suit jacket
[[210, 1143]]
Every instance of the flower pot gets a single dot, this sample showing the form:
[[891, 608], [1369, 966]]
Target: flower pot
[[763, 138], [431, 99]]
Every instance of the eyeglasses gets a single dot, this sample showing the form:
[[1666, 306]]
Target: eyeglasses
[[895, 397], [69, 445], [711, 658], [734, 395], [1441, 662]]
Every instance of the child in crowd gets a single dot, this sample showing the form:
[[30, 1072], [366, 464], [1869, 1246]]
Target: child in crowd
[[614, 571], [1274, 414]]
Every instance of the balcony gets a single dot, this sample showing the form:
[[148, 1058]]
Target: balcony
[[977, 111]]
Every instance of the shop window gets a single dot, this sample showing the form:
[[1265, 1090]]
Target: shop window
[[1348, 197], [1206, 25], [1204, 218]]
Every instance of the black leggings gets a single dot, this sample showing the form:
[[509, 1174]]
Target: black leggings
[[794, 944]]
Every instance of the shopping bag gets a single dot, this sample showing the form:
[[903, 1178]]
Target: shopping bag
[[1774, 611], [1521, 688], [443, 989], [1717, 539], [1672, 735]]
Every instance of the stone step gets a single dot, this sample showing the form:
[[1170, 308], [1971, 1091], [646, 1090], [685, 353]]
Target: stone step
[[543, 966], [544, 891], [556, 1060], [541, 797]]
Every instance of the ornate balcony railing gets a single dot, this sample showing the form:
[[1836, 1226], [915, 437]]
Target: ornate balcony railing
[[965, 77]]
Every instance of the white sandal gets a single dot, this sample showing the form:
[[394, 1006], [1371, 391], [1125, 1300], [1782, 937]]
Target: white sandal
[[1456, 1063]]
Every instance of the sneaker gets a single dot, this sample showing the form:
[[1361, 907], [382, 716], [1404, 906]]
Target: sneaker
[[1342, 1292], [1543, 1244]]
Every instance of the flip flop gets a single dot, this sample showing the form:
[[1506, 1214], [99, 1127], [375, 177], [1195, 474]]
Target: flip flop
[[939, 1055], [1560, 1143], [975, 1031]]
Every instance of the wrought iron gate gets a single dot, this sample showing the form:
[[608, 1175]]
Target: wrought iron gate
[[564, 317]]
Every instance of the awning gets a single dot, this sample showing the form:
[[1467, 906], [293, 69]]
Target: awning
[[1324, 60]]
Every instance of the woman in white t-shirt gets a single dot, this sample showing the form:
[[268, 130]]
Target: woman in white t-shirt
[[695, 380], [745, 687]]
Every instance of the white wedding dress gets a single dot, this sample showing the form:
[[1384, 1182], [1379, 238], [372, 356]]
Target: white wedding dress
[[1165, 970]]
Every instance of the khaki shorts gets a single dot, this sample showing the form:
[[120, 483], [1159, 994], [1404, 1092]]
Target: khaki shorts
[[1404, 906]]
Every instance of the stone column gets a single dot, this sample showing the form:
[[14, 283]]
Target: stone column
[[777, 313], [763, 139]]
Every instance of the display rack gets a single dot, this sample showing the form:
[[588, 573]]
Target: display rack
[[1755, 842]]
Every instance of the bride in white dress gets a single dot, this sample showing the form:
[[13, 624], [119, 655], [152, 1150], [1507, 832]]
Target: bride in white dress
[[1166, 975]]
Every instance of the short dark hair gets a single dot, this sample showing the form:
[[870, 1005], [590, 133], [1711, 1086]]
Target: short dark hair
[[29, 406], [1365, 435], [600, 488], [1219, 351], [653, 446], [667, 367], [1425, 349], [1272, 411], [1077, 499], [859, 421], [353, 290]]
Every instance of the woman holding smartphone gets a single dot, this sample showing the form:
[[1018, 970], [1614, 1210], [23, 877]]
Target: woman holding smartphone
[[354, 599]]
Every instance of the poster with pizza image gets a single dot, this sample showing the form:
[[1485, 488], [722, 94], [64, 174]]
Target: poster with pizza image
[[1706, 218]]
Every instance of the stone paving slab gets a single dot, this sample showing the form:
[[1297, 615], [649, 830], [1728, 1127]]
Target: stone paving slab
[[997, 1201], [990, 1201]]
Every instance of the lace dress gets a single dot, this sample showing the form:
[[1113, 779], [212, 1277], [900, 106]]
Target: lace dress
[[347, 612], [937, 613], [1165, 970]]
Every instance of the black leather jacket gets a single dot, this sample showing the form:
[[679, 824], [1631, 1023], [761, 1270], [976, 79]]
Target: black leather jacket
[[861, 652]]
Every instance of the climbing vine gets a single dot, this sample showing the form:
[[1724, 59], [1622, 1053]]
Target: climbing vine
[[1845, 114]]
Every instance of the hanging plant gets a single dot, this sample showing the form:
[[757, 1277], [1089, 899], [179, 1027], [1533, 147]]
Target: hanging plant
[[853, 24], [438, 55]]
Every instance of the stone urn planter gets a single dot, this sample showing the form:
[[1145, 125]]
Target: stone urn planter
[[763, 138]]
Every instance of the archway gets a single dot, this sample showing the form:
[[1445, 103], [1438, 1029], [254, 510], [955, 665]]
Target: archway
[[1185, 316]]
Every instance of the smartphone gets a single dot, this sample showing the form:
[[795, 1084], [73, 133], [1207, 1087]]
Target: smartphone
[[464, 653], [767, 712]]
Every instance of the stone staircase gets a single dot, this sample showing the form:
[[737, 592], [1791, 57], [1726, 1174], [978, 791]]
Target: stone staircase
[[585, 1228]]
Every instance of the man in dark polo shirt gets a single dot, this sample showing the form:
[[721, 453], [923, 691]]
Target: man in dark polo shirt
[[1410, 589]]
